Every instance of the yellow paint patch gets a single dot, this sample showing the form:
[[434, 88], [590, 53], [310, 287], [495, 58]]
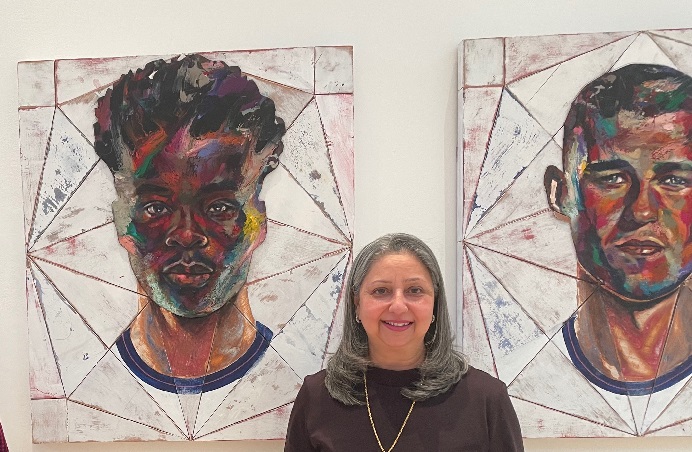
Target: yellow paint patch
[[253, 223]]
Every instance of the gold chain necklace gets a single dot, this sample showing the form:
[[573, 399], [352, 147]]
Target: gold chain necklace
[[372, 423]]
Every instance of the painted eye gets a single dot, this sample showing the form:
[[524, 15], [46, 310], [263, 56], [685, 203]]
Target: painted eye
[[613, 179], [156, 209], [222, 210], [674, 181]]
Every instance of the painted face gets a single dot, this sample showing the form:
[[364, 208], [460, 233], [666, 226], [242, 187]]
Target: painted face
[[633, 199], [189, 216], [395, 305]]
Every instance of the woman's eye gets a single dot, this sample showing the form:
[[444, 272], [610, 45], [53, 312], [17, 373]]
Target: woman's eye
[[156, 209], [416, 290], [380, 291]]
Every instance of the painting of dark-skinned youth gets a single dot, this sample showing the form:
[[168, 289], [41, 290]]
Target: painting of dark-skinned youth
[[576, 228], [188, 225]]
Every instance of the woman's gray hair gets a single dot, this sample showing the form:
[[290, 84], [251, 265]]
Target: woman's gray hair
[[442, 367]]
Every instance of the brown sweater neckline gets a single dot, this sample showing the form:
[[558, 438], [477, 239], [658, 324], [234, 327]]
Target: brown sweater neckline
[[398, 378]]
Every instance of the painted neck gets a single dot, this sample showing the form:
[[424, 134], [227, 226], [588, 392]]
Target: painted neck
[[193, 347], [633, 342]]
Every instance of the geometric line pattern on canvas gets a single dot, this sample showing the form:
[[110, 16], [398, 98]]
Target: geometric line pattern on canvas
[[514, 251], [297, 273]]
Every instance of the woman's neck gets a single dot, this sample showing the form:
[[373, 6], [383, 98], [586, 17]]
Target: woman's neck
[[397, 360]]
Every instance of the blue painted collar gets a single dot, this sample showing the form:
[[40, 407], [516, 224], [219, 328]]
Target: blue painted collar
[[206, 383], [636, 388]]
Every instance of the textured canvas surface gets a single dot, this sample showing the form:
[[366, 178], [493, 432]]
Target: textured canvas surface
[[525, 282], [82, 293]]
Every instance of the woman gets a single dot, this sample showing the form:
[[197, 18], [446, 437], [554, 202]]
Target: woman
[[395, 382]]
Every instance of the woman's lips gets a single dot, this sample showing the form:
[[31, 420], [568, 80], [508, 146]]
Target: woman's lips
[[397, 325], [641, 248]]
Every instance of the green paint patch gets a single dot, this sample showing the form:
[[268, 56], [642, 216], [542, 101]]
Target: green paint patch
[[142, 170], [607, 126], [596, 256], [132, 232], [671, 101]]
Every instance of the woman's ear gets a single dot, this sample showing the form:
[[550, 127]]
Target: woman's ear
[[555, 188]]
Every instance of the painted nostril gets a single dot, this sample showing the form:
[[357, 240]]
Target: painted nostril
[[187, 240]]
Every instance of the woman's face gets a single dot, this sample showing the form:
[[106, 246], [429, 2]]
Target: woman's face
[[395, 305]]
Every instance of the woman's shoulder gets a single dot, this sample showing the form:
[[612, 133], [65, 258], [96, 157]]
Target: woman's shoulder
[[315, 380], [314, 391], [313, 385], [481, 382]]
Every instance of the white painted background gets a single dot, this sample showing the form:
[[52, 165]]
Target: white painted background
[[405, 123]]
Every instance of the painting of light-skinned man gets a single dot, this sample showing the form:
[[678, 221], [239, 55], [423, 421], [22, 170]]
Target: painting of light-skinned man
[[576, 250], [189, 220]]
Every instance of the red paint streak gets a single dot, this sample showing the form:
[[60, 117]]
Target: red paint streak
[[527, 234]]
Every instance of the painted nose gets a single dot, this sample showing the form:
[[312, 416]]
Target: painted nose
[[645, 206], [187, 234]]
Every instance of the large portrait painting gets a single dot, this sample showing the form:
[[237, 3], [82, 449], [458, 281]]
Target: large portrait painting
[[189, 222], [575, 221]]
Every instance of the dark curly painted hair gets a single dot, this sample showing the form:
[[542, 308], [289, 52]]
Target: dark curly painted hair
[[192, 92], [647, 90]]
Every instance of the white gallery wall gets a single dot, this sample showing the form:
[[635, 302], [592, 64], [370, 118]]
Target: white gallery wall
[[405, 123]]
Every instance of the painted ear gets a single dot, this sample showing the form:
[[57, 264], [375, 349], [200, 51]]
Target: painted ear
[[271, 153], [555, 188]]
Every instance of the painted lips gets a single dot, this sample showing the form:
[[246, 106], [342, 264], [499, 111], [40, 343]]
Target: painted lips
[[641, 248], [188, 274]]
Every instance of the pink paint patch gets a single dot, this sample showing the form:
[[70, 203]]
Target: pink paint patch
[[527, 234], [72, 246], [686, 217]]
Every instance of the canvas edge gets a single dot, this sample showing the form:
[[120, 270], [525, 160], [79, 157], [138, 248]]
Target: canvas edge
[[458, 305]]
